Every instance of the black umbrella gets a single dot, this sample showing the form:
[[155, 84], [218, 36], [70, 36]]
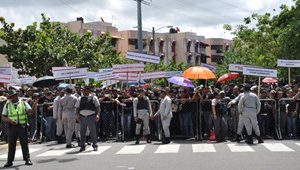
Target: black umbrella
[[46, 81]]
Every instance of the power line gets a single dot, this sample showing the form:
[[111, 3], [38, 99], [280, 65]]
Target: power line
[[74, 9]]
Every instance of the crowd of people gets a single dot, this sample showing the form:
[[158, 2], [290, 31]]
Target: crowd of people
[[89, 114]]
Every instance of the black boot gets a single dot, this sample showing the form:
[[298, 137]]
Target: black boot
[[148, 139], [28, 162], [238, 139], [249, 140], [137, 139], [166, 140], [260, 139], [78, 141], [8, 164]]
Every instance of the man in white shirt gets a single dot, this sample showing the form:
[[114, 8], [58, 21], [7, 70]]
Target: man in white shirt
[[166, 115]]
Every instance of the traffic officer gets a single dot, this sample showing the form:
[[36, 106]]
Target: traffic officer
[[249, 106], [15, 113], [88, 113], [67, 104], [166, 115], [141, 112]]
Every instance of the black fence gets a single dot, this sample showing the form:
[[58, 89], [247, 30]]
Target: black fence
[[191, 119]]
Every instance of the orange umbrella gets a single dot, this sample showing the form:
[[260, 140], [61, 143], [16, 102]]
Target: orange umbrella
[[198, 72], [227, 77]]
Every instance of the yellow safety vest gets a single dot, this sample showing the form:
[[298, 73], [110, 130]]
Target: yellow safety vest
[[18, 115]]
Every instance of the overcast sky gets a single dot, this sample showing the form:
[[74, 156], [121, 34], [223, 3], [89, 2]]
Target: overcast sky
[[205, 17]]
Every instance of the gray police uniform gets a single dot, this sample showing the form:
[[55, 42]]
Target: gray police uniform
[[142, 109], [249, 106]]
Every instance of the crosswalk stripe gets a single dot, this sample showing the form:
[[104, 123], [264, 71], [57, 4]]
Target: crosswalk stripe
[[298, 144], [203, 148], [55, 152], [131, 149], [171, 148], [240, 148], [90, 150], [19, 153], [277, 147]]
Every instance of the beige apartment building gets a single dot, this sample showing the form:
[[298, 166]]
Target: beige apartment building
[[184, 47], [217, 48]]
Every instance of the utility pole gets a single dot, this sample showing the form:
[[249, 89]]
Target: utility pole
[[153, 36], [140, 25]]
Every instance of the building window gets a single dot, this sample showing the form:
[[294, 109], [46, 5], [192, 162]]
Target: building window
[[173, 46], [203, 58], [188, 47], [218, 48], [162, 57], [189, 59], [197, 60], [151, 49], [133, 42], [161, 46], [197, 47]]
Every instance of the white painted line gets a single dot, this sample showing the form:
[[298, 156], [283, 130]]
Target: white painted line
[[55, 152], [170, 148], [298, 144], [19, 153], [277, 147], [131, 149], [90, 150], [203, 148], [240, 148]]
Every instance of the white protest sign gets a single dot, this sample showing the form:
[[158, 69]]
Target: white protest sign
[[173, 73], [109, 83], [260, 72], [5, 70], [6, 79], [125, 68], [127, 76], [211, 67], [26, 80], [61, 68], [239, 67], [143, 57], [105, 76], [72, 73], [288, 63], [153, 75], [105, 70]]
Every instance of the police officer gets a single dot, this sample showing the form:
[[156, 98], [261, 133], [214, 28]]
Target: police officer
[[166, 115], [88, 113], [15, 113], [141, 111], [249, 106], [67, 104]]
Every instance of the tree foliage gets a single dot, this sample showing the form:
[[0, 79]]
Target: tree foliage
[[39, 47], [263, 39]]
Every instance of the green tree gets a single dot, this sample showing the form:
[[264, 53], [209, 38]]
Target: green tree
[[39, 47], [263, 39]]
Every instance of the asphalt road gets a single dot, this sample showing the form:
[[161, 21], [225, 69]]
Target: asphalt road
[[181, 155]]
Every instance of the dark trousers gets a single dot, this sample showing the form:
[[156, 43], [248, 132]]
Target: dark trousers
[[220, 127], [15, 132], [89, 122]]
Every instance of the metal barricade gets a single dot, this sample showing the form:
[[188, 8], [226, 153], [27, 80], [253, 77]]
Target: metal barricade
[[286, 119], [205, 119], [185, 121], [268, 119], [108, 126]]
